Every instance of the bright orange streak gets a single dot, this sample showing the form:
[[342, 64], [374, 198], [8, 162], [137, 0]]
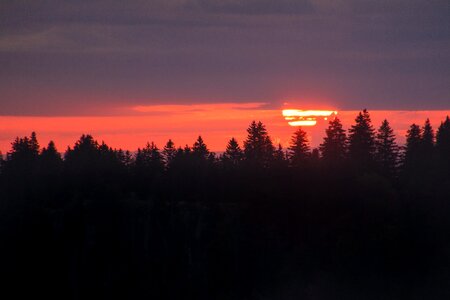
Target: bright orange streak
[[303, 123], [307, 113], [298, 117]]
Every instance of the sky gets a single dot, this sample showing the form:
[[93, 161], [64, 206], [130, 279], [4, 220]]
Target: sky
[[78, 65]]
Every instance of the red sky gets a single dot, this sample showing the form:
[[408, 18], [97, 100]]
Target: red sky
[[217, 123]]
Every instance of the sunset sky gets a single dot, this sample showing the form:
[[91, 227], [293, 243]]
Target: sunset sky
[[129, 72]]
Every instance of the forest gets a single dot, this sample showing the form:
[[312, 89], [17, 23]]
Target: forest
[[360, 217]]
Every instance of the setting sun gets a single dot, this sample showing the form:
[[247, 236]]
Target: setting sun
[[296, 117]]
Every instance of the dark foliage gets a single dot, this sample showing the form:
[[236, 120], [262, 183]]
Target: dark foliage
[[181, 224]]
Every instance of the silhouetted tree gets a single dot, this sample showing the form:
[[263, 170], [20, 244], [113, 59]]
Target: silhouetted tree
[[107, 154], [50, 153], [34, 145], [85, 150], [334, 146], [211, 158], [149, 159], [199, 149], [50, 170], [233, 153], [361, 148], [299, 150], [443, 143], [279, 154], [413, 146], [2, 161], [92, 164], [427, 143], [443, 137], [148, 169], [25, 149], [50, 157], [125, 157], [169, 152], [187, 150], [23, 158], [258, 147], [386, 149], [280, 158]]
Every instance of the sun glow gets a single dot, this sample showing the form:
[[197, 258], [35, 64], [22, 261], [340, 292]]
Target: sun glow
[[296, 117]]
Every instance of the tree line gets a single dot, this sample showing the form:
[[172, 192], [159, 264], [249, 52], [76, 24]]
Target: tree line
[[362, 146], [360, 217]]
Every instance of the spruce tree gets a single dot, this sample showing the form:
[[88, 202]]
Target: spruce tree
[[258, 147], [386, 148], [34, 144], [50, 153], [50, 161], [361, 148], [334, 146], [233, 153], [279, 154], [299, 150], [2, 162], [443, 142], [124, 157], [427, 143], [187, 150], [413, 145], [85, 149], [24, 152], [169, 152], [199, 149], [150, 158]]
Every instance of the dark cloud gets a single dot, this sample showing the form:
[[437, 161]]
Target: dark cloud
[[84, 57], [253, 7]]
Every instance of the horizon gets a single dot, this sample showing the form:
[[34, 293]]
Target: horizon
[[160, 123]]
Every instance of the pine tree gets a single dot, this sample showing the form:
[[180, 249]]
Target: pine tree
[[233, 153], [34, 145], [50, 160], [50, 153], [413, 145], [211, 158], [2, 162], [23, 159], [149, 158], [334, 146], [156, 159], [199, 149], [86, 149], [124, 157], [24, 151], [280, 158], [386, 148], [187, 150], [361, 139], [427, 143], [108, 157], [443, 140], [258, 147], [169, 152], [299, 150], [279, 155]]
